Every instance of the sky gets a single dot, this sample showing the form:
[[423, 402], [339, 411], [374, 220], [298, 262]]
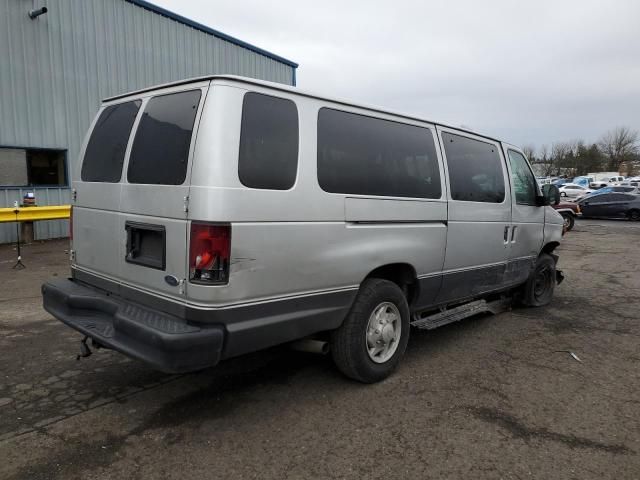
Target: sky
[[530, 73]]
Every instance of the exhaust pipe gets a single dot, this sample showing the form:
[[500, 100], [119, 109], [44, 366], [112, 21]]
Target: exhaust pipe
[[311, 346]]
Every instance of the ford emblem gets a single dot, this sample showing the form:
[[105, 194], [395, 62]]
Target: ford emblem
[[171, 280]]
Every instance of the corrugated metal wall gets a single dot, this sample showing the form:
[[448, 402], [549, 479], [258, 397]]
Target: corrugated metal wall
[[56, 69]]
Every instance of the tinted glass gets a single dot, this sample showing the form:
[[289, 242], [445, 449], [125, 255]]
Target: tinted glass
[[268, 156], [475, 169], [370, 156], [524, 183], [105, 151], [625, 197], [161, 146]]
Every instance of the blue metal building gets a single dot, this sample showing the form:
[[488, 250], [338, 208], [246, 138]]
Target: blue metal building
[[58, 64]]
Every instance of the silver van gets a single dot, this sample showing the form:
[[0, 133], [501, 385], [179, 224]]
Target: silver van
[[222, 215]]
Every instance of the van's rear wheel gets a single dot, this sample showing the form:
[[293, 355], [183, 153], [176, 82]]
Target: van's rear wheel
[[372, 339], [538, 291]]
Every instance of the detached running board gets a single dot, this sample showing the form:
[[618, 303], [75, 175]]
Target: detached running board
[[435, 320]]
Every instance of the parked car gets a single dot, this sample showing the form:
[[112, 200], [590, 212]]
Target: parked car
[[573, 190], [583, 180], [605, 179], [615, 189], [611, 205], [218, 216], [630, 183], [569, 211]]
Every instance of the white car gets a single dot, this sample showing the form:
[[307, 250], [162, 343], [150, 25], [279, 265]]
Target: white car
[[573, 190]]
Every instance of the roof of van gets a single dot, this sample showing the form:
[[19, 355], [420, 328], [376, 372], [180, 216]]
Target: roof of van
[[296, 91]]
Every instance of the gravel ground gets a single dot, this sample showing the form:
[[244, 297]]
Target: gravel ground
[[489, 397]]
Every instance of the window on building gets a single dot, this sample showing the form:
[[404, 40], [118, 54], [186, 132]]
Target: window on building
[[268, 156], [22, 167], [105, 151], [524, 183], [475, 169], [370, 156], [160, 151]]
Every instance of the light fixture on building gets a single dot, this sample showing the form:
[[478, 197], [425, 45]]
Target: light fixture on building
[[35, 13]]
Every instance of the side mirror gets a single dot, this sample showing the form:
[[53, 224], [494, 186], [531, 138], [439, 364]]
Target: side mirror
[[550, 195]]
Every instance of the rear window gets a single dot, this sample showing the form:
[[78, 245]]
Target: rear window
[[268, 156], [370, 156], [160, 149], [105, 151], [475, 169]]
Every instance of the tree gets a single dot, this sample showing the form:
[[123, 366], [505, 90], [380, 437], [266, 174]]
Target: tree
[[529, 152], [619, 145], [588, 159], [561, 157], [544, 153], [541, 164]]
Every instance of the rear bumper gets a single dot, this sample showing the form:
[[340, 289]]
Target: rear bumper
[[166, 342]]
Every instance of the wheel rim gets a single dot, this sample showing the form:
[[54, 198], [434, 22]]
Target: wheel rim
[[567, 222], [542, 283], [383, 332]]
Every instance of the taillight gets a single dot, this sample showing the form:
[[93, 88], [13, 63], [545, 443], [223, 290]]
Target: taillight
[[209, 253]]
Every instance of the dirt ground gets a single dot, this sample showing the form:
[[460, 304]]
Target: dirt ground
[[489, 397]]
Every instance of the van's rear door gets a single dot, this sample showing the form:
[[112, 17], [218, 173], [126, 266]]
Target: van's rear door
[[97, 189], [154, 196], [130, 215]]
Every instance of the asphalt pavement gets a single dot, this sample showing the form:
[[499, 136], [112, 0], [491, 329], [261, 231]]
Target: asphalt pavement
[[540, 393]]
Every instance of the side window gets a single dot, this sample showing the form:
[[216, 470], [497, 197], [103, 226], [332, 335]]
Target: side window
[[524, 183], [475, 169], [268, 156], [160, 149], [105, 151], [369, 156]]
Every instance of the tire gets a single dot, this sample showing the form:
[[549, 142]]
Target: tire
[[353, 345], [634, 215], [569, 221], [538, 291]]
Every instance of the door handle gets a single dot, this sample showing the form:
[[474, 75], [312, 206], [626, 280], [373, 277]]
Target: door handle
[[506, 234], [513, 234]]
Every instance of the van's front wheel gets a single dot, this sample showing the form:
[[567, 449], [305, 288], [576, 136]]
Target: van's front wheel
[[372, 339], [538, 291]]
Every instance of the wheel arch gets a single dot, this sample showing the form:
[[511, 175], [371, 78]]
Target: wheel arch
[[549, 247], [402, 274]]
